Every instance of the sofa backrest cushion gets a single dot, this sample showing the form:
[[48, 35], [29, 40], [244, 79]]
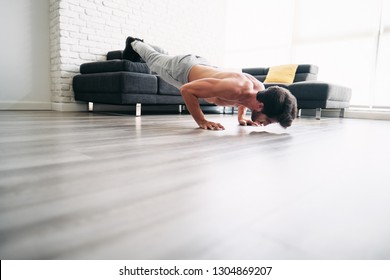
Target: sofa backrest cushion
[[114, 66], [117, 55], [305, 72], [114, 55]]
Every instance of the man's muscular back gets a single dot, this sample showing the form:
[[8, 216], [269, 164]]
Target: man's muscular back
[[202, 72], [231, 88]]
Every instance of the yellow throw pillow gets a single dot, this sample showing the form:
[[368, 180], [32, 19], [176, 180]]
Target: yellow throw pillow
[[282, 74]]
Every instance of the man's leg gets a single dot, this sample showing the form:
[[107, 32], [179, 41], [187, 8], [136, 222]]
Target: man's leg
[[173, 69], [158, 61], [158, 49]]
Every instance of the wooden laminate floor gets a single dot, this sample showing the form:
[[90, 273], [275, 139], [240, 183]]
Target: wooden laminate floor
[[106, 186]]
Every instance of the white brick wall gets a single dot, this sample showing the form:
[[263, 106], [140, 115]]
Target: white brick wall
[[85, 30]]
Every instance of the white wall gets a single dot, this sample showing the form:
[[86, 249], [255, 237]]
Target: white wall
[[84, 31], [258, 33], [24, 55], [45, 41]]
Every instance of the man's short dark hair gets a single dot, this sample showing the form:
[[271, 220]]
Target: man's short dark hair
[[279, 103]]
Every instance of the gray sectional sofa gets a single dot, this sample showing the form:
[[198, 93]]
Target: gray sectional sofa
[[121, 82]]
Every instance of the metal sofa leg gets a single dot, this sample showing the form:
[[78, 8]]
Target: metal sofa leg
[[138, 110], [224, 110], [318, 113], [342, 113]]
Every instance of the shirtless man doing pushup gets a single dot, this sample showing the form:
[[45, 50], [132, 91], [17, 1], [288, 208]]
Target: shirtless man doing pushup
[[196, 78]]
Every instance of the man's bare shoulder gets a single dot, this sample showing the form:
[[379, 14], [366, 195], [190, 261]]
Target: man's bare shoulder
[[257, 85]]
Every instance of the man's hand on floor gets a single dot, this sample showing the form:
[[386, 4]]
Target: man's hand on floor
[[246, 122], [211, 125]]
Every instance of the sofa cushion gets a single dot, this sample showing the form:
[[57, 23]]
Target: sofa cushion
[[118, 55], [114, 82], [114, 55], [320, 95], [114, 66], [320, 91], [307, 68], [259, 73], [301, 77], [283, 74], [167, 89], [304, 72]]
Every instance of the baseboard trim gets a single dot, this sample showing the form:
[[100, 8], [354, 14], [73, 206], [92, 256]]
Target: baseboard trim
[[69, 107], [369, 114], [30, 105], [351, 114]]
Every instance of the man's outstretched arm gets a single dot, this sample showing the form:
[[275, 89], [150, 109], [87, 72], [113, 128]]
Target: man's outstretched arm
[[193, 106], [242, 119], [223, 92]]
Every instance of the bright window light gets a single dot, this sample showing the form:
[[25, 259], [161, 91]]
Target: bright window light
[[381, 96], [341, 38], [348, 39]]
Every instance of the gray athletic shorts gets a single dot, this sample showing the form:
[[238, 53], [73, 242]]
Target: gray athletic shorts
[[172, 69], [179, 67]]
